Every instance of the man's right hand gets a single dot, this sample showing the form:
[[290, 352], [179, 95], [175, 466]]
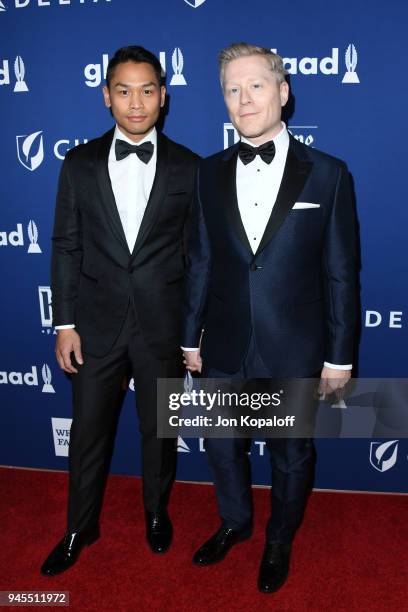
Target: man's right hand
[[68, 341], [192, 361]]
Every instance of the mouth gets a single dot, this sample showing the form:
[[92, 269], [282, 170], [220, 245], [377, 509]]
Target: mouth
[[246, 115], [136, 118]]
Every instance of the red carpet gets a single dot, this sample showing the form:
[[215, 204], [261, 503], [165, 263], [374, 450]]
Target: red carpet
[[350, 554]]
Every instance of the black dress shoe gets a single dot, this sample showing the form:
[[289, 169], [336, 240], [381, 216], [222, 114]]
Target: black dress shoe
[[216, 548], [159, 531], [274, 567], [67, 552]]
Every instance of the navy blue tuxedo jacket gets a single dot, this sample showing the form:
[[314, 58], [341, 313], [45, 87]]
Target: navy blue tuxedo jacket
[[298, 292]]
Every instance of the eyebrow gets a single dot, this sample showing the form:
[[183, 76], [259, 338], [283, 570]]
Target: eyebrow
[[150, 84], [252, 78]]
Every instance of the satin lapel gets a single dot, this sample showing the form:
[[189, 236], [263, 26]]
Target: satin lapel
[[157, 193], [294, 178], [227, 189], [105, 187]]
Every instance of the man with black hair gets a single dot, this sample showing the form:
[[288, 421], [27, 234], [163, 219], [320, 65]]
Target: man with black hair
[[117, 283]]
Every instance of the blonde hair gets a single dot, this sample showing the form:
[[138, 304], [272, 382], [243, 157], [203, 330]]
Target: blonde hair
[[242, 49]]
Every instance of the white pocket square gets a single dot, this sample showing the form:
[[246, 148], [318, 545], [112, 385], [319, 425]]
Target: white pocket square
[[300, 205]]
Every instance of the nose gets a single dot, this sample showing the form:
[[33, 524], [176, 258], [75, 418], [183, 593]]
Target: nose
[[245, 97], [135, 100]]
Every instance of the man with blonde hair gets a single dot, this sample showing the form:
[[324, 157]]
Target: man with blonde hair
[[272, 281]]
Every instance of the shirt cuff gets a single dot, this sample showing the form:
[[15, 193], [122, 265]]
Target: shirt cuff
[[71, 326], [338, 367], [189, 350]]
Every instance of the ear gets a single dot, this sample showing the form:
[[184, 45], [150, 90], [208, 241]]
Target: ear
[[284, 93], [162, 96], [106, 96]]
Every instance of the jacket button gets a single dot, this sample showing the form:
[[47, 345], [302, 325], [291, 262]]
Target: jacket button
[[253, 267]]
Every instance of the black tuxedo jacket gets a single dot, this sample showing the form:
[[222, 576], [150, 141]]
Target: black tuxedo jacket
[[297, 293], [94, 275]]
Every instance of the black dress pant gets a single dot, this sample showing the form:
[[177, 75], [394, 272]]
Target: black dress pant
[[97, 397]]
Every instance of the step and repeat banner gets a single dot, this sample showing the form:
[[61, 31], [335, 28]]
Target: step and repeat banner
[[349, 98]]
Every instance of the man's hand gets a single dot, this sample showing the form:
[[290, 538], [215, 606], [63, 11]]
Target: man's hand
[[333, 380], [68, 341], [192, 361]]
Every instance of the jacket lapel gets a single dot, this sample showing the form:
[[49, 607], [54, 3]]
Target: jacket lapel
[[295, 174], [105, 187], [227, 188], [157, 193]]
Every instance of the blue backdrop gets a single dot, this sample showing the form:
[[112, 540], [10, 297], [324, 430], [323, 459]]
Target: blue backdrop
[[347, 62]]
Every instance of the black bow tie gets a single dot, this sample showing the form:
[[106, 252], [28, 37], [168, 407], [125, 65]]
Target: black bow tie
[[143, 151], [248, 153]]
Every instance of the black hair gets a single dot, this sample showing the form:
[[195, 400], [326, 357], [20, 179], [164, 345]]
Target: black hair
[[136, 54]]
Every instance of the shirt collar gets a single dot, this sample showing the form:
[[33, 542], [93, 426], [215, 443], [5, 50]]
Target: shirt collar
[[281, 140]]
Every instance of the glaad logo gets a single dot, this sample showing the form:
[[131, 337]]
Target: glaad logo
[[33, 236], [326, 65], [45, 297], [177, 62], [29, 378], [19, 378], [377, 452], [95, 72], [30, 150], [312, 65], [188, 384], [351, 64], [2, 7], [182, 446], [194, 3], [19, 71], [61, 430], [46, 376], [16, 238]]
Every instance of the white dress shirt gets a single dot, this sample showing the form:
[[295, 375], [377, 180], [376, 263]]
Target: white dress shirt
[[257, 188], [132, 182]]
